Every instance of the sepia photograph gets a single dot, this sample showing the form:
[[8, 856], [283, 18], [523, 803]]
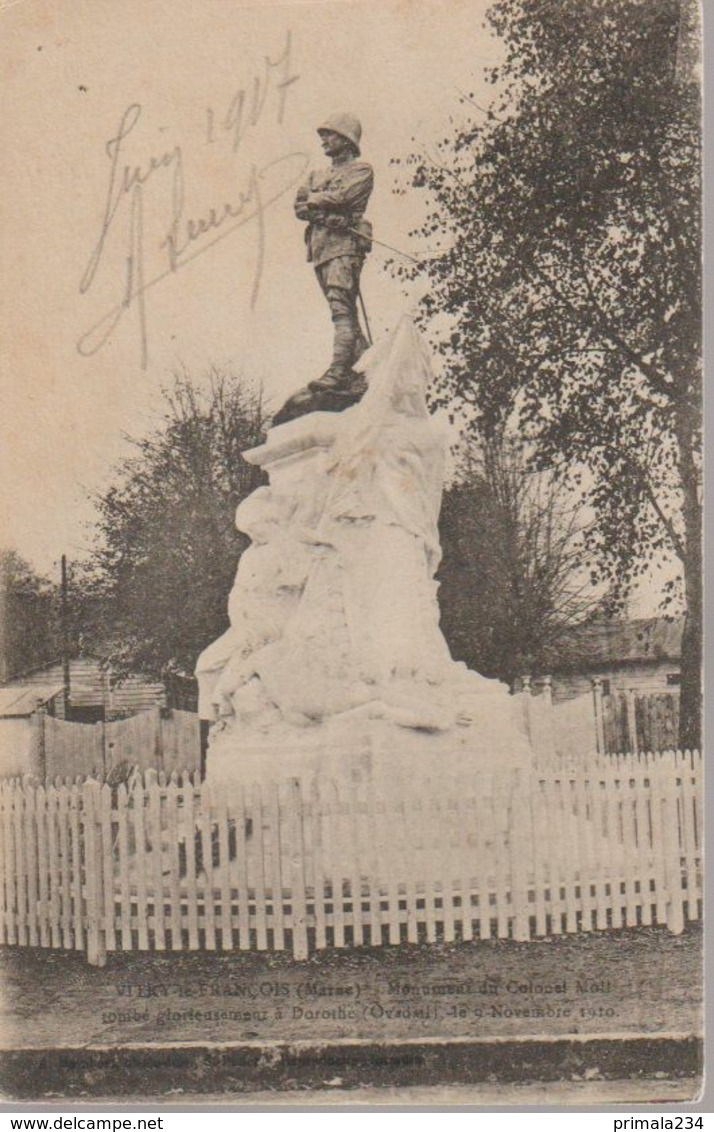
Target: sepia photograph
[[351, 614]]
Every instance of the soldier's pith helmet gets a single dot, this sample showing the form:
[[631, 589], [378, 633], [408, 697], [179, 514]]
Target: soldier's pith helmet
[[346, 125]]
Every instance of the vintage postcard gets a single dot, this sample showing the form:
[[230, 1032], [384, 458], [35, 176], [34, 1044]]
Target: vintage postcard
[[350, 666]]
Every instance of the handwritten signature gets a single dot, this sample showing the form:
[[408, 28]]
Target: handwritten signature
[[187, 238]]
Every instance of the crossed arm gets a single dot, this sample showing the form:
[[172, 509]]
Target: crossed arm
[[352, 193]]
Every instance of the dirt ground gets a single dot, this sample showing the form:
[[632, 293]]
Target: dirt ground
[[636, 981]]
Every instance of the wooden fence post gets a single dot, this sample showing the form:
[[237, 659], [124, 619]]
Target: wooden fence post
[[633, 745], [158, 739], [548, 690], [94, 866], [101, 746], [39, 758], [527, 718]]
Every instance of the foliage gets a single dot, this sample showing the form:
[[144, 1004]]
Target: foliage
[[512, 583], [572, 283], [30, 629], [166, 543]]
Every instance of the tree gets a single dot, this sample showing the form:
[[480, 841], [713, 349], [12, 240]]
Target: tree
[[512, 583], [166, 543], [30, 630], [572, 284]]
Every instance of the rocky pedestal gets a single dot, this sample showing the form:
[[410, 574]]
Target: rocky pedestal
[[335, 660]]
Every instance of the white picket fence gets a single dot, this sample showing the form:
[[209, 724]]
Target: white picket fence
[[167, 864]]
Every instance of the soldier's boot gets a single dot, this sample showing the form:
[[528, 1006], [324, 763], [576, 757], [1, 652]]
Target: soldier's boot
[[339, 387], [339, 376]]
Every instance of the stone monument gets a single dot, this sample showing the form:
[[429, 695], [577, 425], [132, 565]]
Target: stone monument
[[334, 658]]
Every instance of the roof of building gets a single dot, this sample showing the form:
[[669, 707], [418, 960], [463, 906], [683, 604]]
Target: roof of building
[[19, 700], [602, 643]]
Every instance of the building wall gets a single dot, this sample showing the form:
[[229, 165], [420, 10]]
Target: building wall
[[640, 677], [92, 687], [133, 695]]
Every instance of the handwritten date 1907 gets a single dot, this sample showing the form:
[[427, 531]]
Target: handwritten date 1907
[[185, 238]]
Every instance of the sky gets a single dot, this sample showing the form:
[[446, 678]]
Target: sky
[[125, 124], [175, 84]]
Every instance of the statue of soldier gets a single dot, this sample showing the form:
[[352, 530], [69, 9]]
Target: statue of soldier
[[338, 237]]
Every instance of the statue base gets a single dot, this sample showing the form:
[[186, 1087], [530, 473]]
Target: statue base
[[335, 660], [356, 746]]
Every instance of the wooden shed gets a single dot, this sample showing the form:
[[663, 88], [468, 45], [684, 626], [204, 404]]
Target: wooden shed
[[641, 655], [95, 692]]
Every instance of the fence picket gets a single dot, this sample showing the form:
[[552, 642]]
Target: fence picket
[[334, 855], [585, 835], [138, 800], [613, 794], [241, 868], [407, 808], [298, 903], [74, 818], [43, 867], [261, 918], [643, 843], [389, 854], [500, 815], [673, 860], [155, 854], [688, 824], [520, 834], [276, 874], [8, 871], [473, 866], [449, 884], [658, 843], [475, 861], [318, 876], [224, 878], [21, 869], [96, 953], [65, 862], [540, 857], [629, 851], [53, 853], [122, 857], [570, 855], [209, 898], [374, 887], [108, 887], [187, 794], [29, 845], [552, 893], [426, 832], [349, 810]]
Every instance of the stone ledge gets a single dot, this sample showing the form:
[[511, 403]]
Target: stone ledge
[[314, 430]]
